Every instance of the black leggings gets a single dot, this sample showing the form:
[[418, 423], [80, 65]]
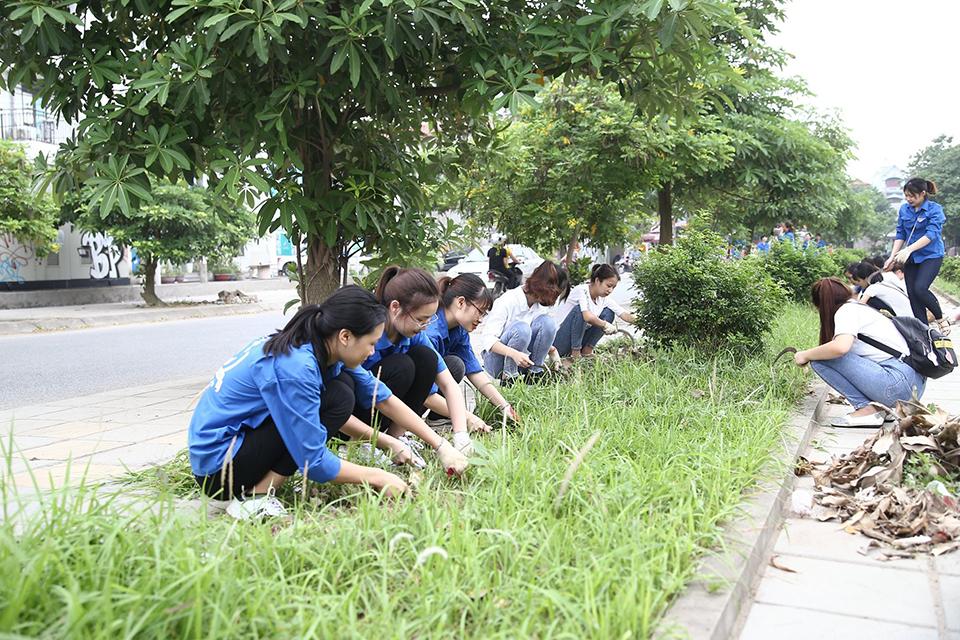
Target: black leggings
[[919, 277], [263, 449], [408, 375], [458, 370]]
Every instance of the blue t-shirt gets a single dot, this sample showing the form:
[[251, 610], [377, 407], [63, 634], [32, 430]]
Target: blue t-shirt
[[763, 246], [251, 386], [386, 348], [912, 224]]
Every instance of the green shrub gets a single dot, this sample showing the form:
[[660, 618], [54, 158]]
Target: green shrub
[[796, 270], [691, 295], [841, 257], [579, 270], [950, 270]]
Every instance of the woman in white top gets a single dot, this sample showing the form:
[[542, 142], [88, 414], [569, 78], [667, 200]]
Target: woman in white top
[[518, 334], [588, 313], [859, 371], [883, 291]]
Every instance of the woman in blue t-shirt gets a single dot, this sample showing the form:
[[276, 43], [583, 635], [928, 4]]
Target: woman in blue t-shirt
[[407, 363], [466, 301], [271, 408], [919, 248]]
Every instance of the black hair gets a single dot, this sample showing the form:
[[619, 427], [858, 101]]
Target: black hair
[[411, 287], [603, 272], [916, 186], [470, 287], [352, 308], [862, 270]]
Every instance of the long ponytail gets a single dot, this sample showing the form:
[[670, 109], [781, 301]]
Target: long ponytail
[[828, 295]]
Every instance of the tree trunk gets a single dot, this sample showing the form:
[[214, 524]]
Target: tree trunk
[[573, 244], [321, 273], [665, 209], [149, 293]]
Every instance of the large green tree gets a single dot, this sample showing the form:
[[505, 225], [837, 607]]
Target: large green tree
[[940, 163], [336, 111]]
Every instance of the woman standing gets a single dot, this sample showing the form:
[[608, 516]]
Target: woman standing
[[465, 303], [861, 372], [271, 408], [407, 363], [588, 313], [919, 248], [519, 334]]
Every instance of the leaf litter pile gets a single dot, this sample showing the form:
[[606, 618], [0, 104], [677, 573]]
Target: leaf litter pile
[[864, 489]]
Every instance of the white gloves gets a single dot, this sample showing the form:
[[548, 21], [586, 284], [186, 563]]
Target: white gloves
[[463, 444], [609, 328], [902, 256], [452, 461], [553, 360]]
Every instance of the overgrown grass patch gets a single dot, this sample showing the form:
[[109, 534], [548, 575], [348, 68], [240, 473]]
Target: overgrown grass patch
[[682, 441]]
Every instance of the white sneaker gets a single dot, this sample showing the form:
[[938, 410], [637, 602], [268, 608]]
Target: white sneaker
[[257, 507], [365, 454], [411, 441], [872, 420]]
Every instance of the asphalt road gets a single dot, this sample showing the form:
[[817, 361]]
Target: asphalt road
[[44, 367]]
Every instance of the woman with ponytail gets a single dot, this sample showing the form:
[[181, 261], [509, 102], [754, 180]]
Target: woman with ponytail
[[919, 248], [465, 301], [518, 336], [861, 372], [589, 313], [272, 407], [405, 361]]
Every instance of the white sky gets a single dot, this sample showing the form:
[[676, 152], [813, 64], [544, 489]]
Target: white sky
[[861, 57]]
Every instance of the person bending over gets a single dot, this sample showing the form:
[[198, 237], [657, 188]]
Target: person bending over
[[272, 407], [859, 371]]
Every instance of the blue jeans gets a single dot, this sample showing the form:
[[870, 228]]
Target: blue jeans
[[575, 334], [862, 381], [534, 339]]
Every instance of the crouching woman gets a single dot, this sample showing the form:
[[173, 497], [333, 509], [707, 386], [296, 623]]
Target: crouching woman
[[270, 410], [589, 313], [860, 372]]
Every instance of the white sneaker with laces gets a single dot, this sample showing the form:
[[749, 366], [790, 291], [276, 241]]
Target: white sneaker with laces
[[257, 507], [410, 440], [872, 420]]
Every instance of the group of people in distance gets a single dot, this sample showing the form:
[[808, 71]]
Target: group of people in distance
[[784, 231], [387, 358], [860, 371]]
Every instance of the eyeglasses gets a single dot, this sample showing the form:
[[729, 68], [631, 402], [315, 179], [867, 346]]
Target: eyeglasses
[[424, 325], [483, 314]]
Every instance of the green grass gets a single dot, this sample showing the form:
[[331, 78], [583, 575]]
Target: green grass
[[682, 441], [947, 286]]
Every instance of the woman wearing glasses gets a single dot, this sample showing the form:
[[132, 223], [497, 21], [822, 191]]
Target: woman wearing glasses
[[405, 361], [465, 303]]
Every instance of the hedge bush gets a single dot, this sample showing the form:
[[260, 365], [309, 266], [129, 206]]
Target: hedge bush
[[950, 270], [691, 295], [796, 270], [841, 257]]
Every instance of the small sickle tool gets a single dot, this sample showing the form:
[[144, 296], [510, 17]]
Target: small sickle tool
[[786, 350]]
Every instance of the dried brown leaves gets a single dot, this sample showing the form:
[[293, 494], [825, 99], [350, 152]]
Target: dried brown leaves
[[863, 489]]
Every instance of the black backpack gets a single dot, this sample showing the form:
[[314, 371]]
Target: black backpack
[[931, 353]]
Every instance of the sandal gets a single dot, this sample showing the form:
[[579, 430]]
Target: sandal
[[943, 324]]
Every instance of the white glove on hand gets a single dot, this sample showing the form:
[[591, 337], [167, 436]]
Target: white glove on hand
[[902, 256], [609, 328], [463, 443], [553, 360], [452, 461]]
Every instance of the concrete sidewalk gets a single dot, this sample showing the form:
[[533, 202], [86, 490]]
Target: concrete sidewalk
[[18, 321]]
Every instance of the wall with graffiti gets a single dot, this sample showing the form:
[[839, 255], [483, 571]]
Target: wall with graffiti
[[85, 258]]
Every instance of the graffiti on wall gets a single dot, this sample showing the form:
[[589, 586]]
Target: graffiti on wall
[[106, 257], [13, 255]]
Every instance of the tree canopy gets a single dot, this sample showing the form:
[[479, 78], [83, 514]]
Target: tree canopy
[[27, 218], [340, 114]]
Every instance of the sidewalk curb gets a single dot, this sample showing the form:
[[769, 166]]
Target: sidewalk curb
[[135, 316], [704, 612], [946, 296]]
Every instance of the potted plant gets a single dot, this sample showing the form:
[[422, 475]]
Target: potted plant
[[169, 275], [221, 268]]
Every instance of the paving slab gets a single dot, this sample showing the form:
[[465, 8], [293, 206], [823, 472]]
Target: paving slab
[[950, 587], [70, 449], [817, 540], [772, 622]]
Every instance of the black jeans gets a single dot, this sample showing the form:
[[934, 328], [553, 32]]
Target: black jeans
[[458, 370], [408, 375], [263, 449], [919, 277]]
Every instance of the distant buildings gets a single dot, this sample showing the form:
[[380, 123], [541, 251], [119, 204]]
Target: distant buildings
[[889, 181]]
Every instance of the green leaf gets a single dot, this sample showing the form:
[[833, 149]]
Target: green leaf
[[338, 59]]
